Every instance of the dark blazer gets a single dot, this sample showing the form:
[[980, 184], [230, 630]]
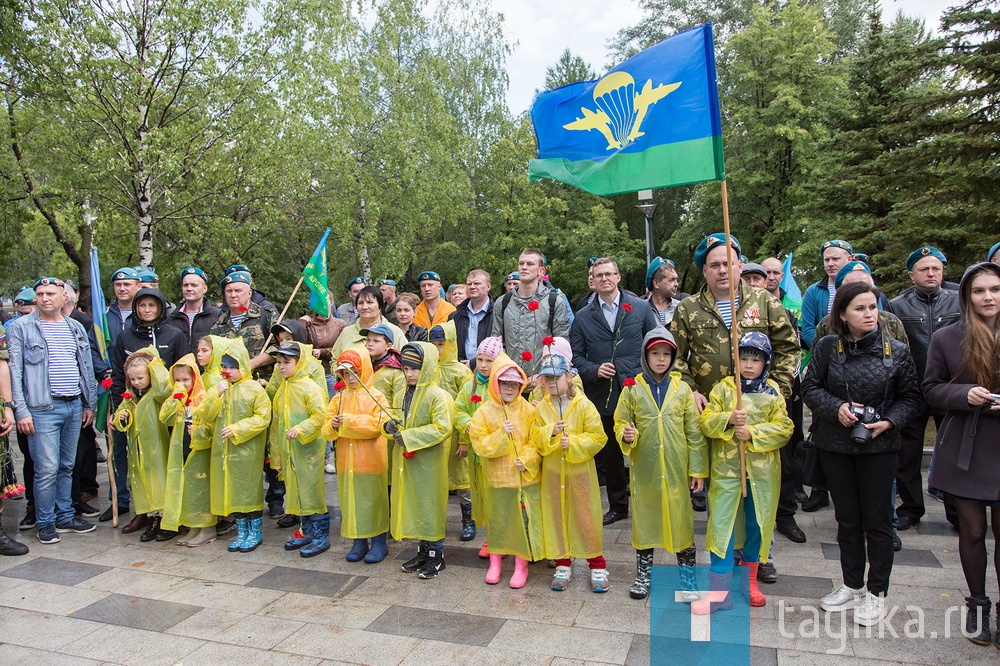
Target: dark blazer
[[594, 343], [967, 448], [461, 318]]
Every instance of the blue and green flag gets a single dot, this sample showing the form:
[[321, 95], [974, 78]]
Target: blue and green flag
[[315, 278], [792, 297], [99, 311], [651, 122]]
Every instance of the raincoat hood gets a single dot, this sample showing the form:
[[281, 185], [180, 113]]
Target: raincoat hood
[[304, 362], [358, 357], [197, 392], [238, 351], [146, 353], [450, 351], [219, 346], [966, 284], [143, 328], [658, 333], [502, 364], [429, 372]]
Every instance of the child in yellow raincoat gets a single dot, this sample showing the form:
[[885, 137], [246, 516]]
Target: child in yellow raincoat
[[454, 374], [501, 436], [568, 434], [419, 500], [388, 369], [297, 450], [354, 418], [147, 385], [470, 398], [656, 424], [239, 408], [198, 467], [187, 498], [764, 427]]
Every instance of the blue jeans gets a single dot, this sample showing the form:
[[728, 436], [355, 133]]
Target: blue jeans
[[53, 450], [119, 462], [751, 544]]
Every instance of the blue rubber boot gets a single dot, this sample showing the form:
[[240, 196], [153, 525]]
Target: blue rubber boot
[[321, 536], [358, 550], [241, 530], [379, 549], [255, 535], [302, 536]]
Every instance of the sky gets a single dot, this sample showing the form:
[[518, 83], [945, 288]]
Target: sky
[[543, 29]]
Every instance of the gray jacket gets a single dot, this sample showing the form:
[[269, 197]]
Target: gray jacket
[[29, 367], [522, 330]]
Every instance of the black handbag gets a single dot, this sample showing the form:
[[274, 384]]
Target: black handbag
[[806, 466]]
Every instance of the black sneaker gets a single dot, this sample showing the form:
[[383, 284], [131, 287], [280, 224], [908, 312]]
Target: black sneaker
[[288, 520], [48, 534], [76, 525], [433, 566], [86, 510], [699, 503], [28, 522], [275, 510]]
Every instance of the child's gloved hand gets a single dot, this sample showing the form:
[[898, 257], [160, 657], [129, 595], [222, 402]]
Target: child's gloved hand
[[398, 438], [390, 427]]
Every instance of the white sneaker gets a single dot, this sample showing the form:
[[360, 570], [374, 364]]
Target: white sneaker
[[871, 611], [330, 468], [842, 599]]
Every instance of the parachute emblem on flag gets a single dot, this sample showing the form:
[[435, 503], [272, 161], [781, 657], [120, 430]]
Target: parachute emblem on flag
[[620, 109]]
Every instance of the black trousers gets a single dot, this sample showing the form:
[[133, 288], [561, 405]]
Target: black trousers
[[789, 484], [859, 486], [27, 470], [909, 482], [85, 467], [615, 473]]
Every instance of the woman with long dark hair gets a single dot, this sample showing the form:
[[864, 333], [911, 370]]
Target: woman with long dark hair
[[862, 388], [963, 378]]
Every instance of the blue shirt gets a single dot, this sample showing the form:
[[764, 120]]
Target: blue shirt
[[472, 338], [64, 373], [610, 312], [726, 311]]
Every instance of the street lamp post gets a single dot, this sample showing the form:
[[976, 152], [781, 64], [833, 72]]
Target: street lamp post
[[647, 210]]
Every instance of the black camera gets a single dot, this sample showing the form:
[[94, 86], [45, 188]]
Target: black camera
[[866, 415]]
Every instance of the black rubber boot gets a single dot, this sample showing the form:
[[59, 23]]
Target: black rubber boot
[[468, 524], [434, 564], [151, 529], [977, 620]]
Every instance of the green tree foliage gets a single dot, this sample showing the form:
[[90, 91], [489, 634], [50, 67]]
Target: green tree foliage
[[570, 68]]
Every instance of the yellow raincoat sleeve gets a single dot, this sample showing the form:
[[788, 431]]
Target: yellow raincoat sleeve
[[532, 461], [332, 409], [172, 407], [273, 384], [698, 465], [714, 418], [587, 435], [363, 425], [541, 429], [774, 431], [160, 385], [126, 424], [625, 416], [203, 419], [248, 428], [442, 419]]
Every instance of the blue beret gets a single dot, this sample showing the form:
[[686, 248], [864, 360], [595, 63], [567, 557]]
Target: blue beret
[[428, 275], [146, 274], [387, 282], [860, 256], [358, 279], [44, 281], [380, 329], [847, 268], [125, 274], [993, 251], [654, 266], [194, 270], [842, 244], [25, 297], [592, 261], [242, 268], [709, 242], [512, 276], [238, 276], [925, 251]]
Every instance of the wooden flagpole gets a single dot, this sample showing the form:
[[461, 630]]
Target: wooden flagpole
[[734, 328], [281, 317]]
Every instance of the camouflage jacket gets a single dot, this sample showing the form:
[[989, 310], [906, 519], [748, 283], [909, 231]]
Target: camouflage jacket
[[254, 330], [887, 321], [705, 350]]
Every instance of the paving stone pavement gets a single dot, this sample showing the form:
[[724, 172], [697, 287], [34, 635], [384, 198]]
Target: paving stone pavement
[[106, 598]]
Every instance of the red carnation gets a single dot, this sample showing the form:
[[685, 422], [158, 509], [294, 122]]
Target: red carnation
[[339, 386], [527, 355], [106, 383], [548, 341], [243, 308], [409, 454], [629, 382], [476, 398], [533, 305], [626, 307], [178, 395], [126, 395]]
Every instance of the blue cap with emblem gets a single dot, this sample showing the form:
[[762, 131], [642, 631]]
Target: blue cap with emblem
[[241, 268], [655, 265], [25, 297], [925, 251], [842, 244], [708, 243], [125, 274], [428, 275], [358, 279], [237, 277], [850, 267], [194, 270]]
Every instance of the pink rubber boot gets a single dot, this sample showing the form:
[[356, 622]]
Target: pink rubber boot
[[520, 576], [493, 573]]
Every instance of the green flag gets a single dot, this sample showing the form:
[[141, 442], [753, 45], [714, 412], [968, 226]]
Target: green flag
[[314, 276]]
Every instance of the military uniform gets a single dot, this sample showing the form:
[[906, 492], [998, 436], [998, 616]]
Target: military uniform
[[887, 321], [705, 350], [254, 330]]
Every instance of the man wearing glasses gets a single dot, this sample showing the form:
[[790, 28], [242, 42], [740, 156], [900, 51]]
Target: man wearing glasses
[[54, 394]]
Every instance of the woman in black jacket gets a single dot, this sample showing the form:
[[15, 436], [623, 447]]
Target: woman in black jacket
[[962, 377], [861, 387]]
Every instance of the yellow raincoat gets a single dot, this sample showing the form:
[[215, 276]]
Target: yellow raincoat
[[390, 382], [312, 369], [514, 497], [454, 374], [300, 403], [571, 498], [203, 427], [148, 439], [362, 455], [420, 484], [770, 429], [187, 497], [668, 449], [238, 461], [470, 398]]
